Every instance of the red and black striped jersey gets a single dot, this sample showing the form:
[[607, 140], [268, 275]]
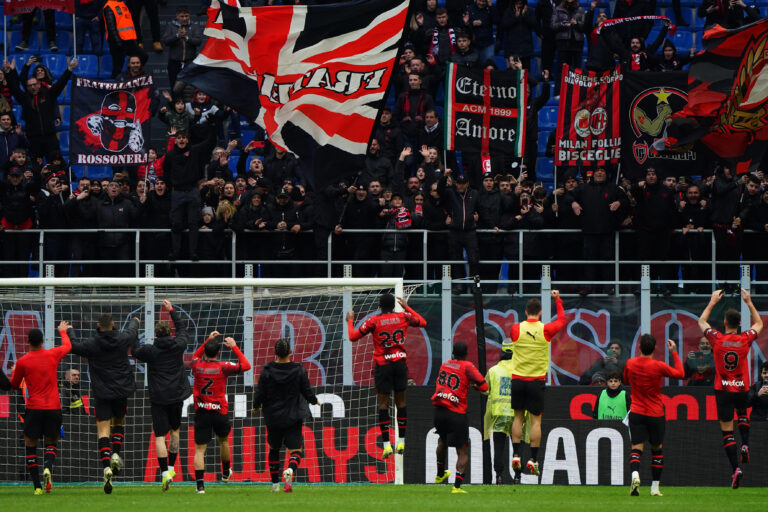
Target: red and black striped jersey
[[731, 352], [388, 334], [452, 385], [210, 388]]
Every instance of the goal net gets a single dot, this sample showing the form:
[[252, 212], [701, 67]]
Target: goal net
[[342, 442]]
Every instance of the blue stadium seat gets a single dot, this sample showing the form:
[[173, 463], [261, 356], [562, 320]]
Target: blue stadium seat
[[16, 109], [99, 171], [64, 118], [545, 169], [536, 45], [63, 41], [500, 61], [542, 146], [34, 43], [699, 43], [87, 65], [246, 136], [87, 48], [64, 142], [548, 118], [66, 95], [683, 40], [105, 66], [63, 21], [56, 62], [439, 109]]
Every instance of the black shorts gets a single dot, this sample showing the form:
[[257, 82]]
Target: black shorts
[[389, 377], [42, 422], [646, 428], [452, 427], [166, 417], [727, 403], [208, 422], [288, 436], [106, 409], [528, 395]]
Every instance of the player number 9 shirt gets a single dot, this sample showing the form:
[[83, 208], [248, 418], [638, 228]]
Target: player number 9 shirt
[[731, 361]]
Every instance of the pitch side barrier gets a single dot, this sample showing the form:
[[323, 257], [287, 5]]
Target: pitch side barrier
[[575, 449]]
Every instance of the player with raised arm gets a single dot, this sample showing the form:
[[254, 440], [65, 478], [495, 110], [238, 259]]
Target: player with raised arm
[[731, 351], [646, 414], [450, 401], [530, 364], [211, 405], [37, 369], [282, 393], [391, 371], [168, 386], [113, 382]]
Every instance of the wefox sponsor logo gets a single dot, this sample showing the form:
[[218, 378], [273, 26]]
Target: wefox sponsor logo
[[448, 396], [209, 407], [395, 355], [733, 382]]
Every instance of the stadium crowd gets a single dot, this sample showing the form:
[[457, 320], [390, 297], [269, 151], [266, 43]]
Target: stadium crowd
[[208, 179]]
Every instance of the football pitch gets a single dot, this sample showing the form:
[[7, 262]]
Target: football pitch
[[367, 498]]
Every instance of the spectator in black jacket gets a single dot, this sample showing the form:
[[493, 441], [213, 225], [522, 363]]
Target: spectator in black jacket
[[491, 205], [726, 224], [120, 44], [11, 137], [394, 242], [328, 207], [435, 218], [758, 396], [544, 11], [156, 214], [17, 207], [597, 203], [411, 106], [387, 132], [700, 365], [655, 218], [51, 215], [601, 50], [282, 394], [87, 18], [284, 221], [669, 60], [727, 13], [252, 217], [82, 245], [628, 9], [362, 212], [39, 109], [568, 26], [465, 55], [693, 245], [71, 393], [377, 167], [528, 214], [482, 18], [168, 385], [181, 39], [113, 383], [518, 24], [281, 166], [115, 211], [461, 204]]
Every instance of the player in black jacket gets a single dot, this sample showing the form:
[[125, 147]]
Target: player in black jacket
[[113, 382], [283, 393], [168, 386]]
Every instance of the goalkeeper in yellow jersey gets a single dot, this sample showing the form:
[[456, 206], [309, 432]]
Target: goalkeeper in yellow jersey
[[499, 415]]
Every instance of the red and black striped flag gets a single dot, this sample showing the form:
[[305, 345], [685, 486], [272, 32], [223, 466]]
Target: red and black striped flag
[[109, 121], [311, 76], [727, 111], [588, 127]]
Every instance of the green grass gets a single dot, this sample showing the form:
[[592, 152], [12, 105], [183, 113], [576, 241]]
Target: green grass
[[367, 498]]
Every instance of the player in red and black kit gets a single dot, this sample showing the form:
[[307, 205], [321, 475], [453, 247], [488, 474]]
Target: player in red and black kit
[[450, 401], [646, 414], [211, 405], [731, 351], [37, 369], [391, 371]]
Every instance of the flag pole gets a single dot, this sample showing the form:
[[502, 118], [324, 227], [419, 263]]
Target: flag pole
[[74, 37], [557, 212], [5, 31]]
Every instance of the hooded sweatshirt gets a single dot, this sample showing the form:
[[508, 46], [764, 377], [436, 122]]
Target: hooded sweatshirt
[[283, 392]]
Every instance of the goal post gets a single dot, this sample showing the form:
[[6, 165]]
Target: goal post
[[341, 439]]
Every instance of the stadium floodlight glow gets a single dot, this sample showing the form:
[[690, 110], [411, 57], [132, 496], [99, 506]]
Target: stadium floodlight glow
[[341, 439]]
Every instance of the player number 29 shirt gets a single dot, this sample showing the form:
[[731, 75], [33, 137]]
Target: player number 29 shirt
[[388, 334], [453, 381], [731, 361]]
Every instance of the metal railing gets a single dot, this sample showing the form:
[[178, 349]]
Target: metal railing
[[426, 263]]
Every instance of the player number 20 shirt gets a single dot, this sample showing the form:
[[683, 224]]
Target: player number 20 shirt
[[388, 334]]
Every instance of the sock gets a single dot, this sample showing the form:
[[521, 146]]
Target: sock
[[225, 467], [172, 459], [163, 461], [200, 478], [402, 420], [118, 436], [50, 456], [743, 422], [634, 460], [105, 451], [294, 461], [459, 480], [440, 469], [729, 443], [655, 485], [518, 473], [384, 423], [274, 465], [534, 453], [657, 464], [516, 449], [32, 467]]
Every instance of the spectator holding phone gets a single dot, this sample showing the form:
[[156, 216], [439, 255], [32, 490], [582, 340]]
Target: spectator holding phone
[[758, 396], [700, 365]]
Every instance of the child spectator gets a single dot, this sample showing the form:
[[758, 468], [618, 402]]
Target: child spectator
[[613, 402]]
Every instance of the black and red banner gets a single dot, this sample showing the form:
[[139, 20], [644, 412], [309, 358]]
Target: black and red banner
[[727, 112], [649, 100], [485, 110], [24, 6], [109, 121], [588, 125]]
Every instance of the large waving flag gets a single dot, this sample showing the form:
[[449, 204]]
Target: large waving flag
[[309, 75], [727, 111]]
